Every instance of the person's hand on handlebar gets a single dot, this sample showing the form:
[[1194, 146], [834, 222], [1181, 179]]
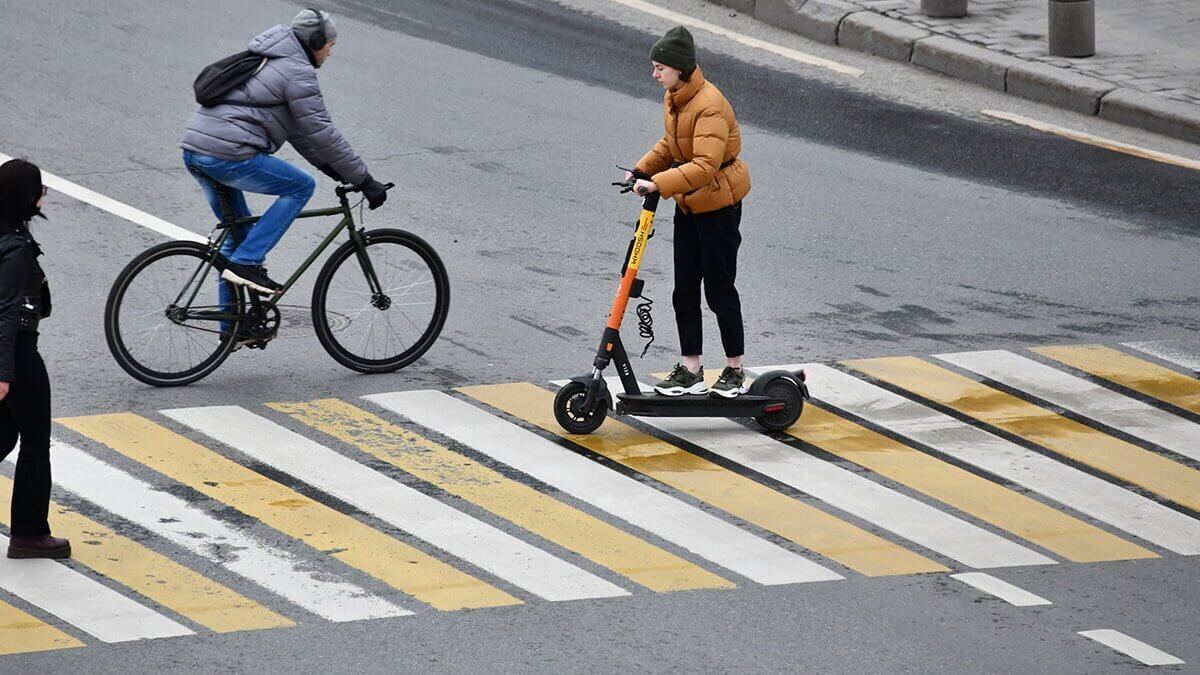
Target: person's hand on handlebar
[[644, 187], [374, 191]]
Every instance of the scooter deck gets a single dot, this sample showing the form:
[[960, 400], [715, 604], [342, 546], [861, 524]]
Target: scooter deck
[[691, 405]]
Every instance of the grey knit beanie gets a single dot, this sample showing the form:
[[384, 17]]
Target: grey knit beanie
[[307, 23]]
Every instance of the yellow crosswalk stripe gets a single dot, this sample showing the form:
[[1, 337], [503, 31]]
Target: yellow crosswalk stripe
[[152, 574], [345, 538], [1069, 537], [1050, 430], [539, 513], [21, 633], [1128, 371], [753, 502]]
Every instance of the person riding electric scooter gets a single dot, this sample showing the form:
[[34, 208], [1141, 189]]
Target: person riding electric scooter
[[696, 162]]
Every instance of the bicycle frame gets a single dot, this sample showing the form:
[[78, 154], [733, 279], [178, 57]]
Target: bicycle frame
[[346, 223]]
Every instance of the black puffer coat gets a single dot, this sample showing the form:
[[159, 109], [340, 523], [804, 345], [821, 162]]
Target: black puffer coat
[[24, 293]]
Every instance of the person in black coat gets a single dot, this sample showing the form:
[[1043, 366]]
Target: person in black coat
[[24, 384]]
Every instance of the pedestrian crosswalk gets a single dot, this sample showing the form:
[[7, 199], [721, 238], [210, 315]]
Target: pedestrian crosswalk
[[222, 519]]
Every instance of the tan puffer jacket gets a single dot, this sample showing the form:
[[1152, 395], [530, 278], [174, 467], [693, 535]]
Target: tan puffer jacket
[[702, 143]]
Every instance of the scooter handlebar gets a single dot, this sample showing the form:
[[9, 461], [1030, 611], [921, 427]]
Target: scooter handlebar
[[628, 186]]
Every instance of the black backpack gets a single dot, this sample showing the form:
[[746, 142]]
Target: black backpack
[[221, 77]]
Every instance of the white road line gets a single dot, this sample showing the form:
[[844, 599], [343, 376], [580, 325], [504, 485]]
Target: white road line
[[1081, 491], [115, 207], [487, 547], [916, 521], [1136, 649], [1098, 141], [787, 53], [673, 520], [1085, 398], [1013, 595], [191, 528], [1170, 351], [83, 602]]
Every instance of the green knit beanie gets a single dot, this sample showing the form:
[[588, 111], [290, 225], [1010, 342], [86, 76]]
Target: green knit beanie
[[676, 49]]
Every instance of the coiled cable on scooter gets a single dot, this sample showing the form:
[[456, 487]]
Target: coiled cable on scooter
[[645, 323]]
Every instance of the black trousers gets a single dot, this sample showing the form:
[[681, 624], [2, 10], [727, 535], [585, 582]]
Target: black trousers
[[706, 248], [25, 413]]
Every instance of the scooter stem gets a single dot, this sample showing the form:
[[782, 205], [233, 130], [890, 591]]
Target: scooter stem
[[640, 237]]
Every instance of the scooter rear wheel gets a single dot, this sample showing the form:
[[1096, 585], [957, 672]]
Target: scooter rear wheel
[[567, 409], [783, 389]]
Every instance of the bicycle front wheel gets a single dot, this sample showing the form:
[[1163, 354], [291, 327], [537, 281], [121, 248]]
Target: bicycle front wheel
[[381, 332], [163, 318]]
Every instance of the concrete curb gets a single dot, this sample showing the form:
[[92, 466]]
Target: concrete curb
[[1140, 109], [877, 34], [818, 20], [843, 23], [964, 61], [1058, 87]]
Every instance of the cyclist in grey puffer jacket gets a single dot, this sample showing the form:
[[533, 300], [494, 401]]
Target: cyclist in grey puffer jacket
[[232, 144]]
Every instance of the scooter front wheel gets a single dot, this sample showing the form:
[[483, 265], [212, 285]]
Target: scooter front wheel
[[568, 409]]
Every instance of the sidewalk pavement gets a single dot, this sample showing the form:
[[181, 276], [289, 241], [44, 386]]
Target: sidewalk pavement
[[1146, 71]]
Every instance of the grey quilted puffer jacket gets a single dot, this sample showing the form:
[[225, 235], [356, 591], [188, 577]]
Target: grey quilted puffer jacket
[[231, 131]]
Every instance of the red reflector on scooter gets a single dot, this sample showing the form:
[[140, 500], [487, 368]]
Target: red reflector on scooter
[[774, 408]]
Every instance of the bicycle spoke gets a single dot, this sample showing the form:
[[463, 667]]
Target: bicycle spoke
[[370, 329], [160, 341]]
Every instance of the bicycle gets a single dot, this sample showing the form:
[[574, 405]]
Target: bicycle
[[378, 304]]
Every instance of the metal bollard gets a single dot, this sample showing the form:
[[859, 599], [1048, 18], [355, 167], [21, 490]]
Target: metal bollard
[[1072, 27], [944, 8]]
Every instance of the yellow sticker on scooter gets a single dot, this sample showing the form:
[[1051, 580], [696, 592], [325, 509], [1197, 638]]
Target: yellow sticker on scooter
[[640, 239]]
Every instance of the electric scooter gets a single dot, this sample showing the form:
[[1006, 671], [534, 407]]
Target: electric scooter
[[775, 399]]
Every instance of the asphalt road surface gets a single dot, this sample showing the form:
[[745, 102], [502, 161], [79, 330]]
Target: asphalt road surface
[[888, 218]]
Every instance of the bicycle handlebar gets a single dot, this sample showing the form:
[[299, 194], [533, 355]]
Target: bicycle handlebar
[[343, 190]]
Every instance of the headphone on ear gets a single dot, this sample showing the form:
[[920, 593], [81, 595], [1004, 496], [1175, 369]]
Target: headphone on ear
[[317, 40]]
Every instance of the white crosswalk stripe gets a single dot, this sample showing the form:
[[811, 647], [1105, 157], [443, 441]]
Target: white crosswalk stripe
[[920, 523], [641, 505], [1085, 398], [1171, 351], [509, 558], [195, 530], [83, 602], [1081, 491]]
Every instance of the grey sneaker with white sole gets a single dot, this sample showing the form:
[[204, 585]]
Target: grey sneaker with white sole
[[682, 381], [731, 383]]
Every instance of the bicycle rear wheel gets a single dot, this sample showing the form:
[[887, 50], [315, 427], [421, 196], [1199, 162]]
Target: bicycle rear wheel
[[381, 332], [163, 317]]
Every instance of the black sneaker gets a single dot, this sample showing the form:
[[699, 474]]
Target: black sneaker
[[253, 277], [682, 381], [731, 383]]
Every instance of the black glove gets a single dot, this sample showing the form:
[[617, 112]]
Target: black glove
[[374, 191], [328, 171]]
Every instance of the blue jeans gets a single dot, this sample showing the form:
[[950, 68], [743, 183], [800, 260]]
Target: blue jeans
[[261, 174]]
